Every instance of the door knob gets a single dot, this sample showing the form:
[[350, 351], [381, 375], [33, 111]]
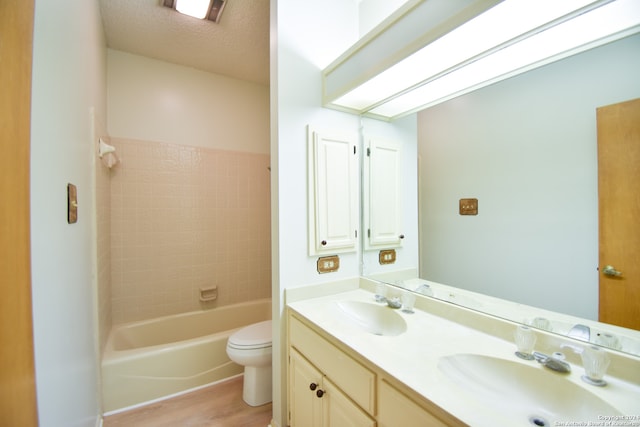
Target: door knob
[[609, 270]]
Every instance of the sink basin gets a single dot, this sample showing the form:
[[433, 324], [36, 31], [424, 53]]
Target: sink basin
[[526, 392], [374, 318]]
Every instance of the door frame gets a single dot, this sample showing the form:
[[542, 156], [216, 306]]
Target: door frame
[[18, 404]]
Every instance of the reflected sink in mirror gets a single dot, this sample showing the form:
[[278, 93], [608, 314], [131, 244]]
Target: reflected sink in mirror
[[528, 393], [373, 318]]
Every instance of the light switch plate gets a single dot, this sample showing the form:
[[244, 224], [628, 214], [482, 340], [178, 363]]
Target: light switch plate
[[328, 264], [468, 206], [72, 204]]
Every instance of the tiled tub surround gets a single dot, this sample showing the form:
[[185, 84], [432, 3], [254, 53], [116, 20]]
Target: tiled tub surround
[[439, 329], [183, 218]]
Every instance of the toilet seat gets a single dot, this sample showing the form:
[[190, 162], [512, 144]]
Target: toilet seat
[[254, 336]]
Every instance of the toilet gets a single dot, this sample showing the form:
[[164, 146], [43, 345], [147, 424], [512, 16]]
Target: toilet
[[251, 348]]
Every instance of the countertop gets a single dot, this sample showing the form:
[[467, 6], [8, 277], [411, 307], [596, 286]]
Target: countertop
[[413, 357]]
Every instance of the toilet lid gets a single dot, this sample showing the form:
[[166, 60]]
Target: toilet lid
[[258, 334]]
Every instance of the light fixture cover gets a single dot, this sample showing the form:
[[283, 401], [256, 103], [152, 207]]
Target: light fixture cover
[[201, 9], [479, 51], [196, 8]]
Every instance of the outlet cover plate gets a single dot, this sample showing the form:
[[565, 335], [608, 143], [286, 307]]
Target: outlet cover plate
[[72, 204], [387, 256], [468, 206], [328, 264]]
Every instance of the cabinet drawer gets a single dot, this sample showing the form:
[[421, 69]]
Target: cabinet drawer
[[354, 379]]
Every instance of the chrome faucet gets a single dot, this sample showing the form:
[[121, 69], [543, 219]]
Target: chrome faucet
[[553, 363], [424, 289], [580, 332]]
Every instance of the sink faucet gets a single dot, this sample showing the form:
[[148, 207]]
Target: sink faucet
[[580, 332], [424, 289], [552, 363]]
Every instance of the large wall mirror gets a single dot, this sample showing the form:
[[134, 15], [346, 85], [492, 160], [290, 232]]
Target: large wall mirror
[[526, 148]]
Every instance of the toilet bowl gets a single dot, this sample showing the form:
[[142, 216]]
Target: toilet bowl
[[251, 348]]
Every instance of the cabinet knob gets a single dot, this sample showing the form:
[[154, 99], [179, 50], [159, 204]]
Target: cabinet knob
[[313, 386], [320, 393], [323, 243], [401, 236]]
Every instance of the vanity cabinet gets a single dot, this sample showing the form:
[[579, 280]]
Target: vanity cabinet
[[326, 386], [329, 386]]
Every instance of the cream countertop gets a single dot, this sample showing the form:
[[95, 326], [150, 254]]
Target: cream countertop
[[412, 358]]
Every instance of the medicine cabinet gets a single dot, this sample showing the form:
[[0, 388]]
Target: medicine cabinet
[[382, 194], [333, 189]]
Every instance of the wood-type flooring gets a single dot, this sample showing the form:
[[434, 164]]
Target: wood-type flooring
[[219, 405]]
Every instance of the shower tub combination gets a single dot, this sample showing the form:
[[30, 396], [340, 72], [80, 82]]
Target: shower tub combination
[[155, 358]]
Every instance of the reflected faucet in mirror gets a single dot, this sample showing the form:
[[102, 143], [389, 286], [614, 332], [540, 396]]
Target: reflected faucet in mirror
[[580, 332], [540, 217]]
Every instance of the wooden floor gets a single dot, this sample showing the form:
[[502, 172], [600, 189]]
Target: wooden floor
[[220, 405]]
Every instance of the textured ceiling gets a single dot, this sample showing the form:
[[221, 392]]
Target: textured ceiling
[[237, 47]]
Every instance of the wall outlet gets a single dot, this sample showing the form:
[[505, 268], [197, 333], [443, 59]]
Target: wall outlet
[[387, 256], [328, 264], [468, 206]]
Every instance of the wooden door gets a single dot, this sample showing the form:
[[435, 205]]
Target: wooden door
[[17, 375], [619, 213]]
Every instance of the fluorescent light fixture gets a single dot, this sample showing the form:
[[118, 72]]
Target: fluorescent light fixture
[[196, 8], [509, 38], [201, 9]]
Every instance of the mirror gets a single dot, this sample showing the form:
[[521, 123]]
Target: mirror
[[526, 149]]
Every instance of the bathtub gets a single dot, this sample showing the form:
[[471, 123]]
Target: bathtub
[[155, 358]]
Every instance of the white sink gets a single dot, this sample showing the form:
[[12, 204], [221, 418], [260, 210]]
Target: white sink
[[529, 393], [374, 318]]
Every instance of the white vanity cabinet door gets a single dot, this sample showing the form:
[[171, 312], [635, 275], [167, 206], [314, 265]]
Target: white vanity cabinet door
[[306, 408], [340, 411], [316, 402], [333, 192], [383, 194]]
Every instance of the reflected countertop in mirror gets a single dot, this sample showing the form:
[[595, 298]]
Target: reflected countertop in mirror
[[610, 336], [526, 148]]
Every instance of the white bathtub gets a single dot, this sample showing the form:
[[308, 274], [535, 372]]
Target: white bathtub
[[155, 358]]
